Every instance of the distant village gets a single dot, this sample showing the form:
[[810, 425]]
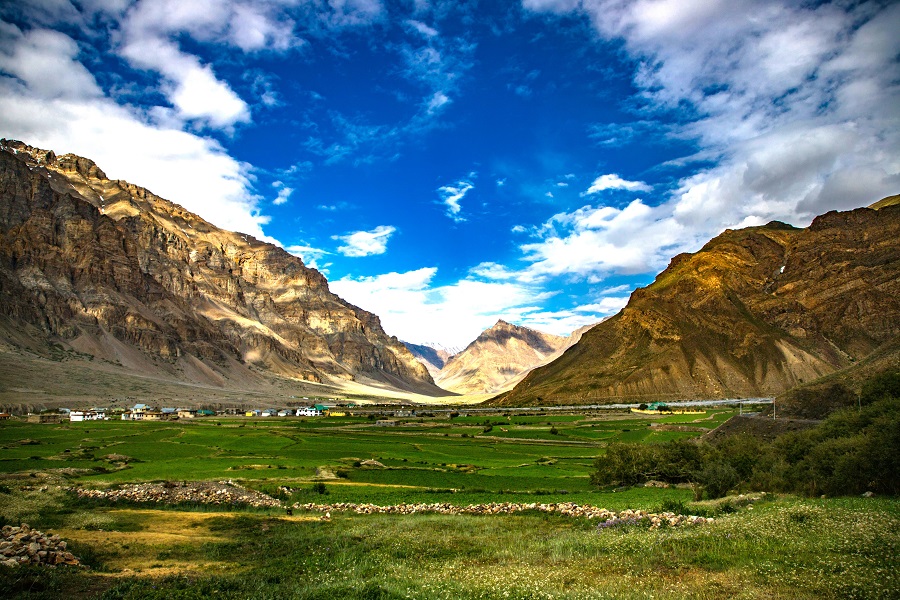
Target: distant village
[[145, 412]]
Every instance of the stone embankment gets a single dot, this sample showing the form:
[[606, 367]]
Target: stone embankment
[[569, 509], [230, 493], [24, 545], [190, 492]]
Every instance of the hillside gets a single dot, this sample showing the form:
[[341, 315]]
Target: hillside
[[755, 312], [103, 269]]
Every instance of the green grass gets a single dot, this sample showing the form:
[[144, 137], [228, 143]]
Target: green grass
[[788, 548], [520, 454]]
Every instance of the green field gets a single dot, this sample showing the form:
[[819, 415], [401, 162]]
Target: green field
[[460, 460], [773, 548]]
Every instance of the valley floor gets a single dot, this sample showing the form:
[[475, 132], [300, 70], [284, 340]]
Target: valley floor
[[758, 546]]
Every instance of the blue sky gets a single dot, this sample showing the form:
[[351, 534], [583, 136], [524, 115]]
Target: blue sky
[[446, 164]]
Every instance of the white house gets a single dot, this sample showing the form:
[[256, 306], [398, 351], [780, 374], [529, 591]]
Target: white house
[[86, 415], [309, 411]]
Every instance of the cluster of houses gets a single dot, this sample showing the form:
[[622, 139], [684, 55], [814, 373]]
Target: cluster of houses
[[144, 412], [319, 410]]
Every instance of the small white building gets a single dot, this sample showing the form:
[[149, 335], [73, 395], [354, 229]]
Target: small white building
[[309, 411], [86, 415]]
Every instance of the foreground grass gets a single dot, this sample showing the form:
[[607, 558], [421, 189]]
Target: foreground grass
[[789, 548]]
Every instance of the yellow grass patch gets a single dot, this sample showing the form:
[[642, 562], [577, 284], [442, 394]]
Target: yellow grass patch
[[168, 542]]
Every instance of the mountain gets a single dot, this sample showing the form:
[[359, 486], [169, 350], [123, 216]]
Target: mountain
[[755, 312], [103, 269], [434, 358], [497, 359]]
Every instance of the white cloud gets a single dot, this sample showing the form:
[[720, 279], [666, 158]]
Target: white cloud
[[605, 306], [600, 240], [422, 29], [808, 90], [308, 254], [366, 243], [45, 62], [561, 322], [284, 193], [415, 310], [614, 182], [451, 195]]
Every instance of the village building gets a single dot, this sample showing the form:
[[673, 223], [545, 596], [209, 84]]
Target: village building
[[46, 418], [186, 413], [308, 411], [142, 412], [77, 416]]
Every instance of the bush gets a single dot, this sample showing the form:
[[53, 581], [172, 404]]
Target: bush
[[624, 464], [717, 478], [853, 451]]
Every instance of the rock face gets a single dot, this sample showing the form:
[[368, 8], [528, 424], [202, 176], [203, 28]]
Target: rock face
[[755, 312], [498, 359], [108, 269]]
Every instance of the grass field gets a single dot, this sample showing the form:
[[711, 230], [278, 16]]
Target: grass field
[[779, 548], [459, 460]]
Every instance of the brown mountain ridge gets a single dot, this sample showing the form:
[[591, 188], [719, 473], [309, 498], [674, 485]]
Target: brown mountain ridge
[[500, 357], [108, 270], [755, 312]]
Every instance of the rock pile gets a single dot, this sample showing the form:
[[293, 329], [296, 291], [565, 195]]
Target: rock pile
[[569, 509], [24, 545], [198, 492]]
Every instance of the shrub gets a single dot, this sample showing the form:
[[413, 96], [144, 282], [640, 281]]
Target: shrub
[[717, 478]]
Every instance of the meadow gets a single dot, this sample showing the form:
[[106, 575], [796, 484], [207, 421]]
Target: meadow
[[772, 547]]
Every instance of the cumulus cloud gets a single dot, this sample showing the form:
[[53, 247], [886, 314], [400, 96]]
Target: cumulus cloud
[[599, 240], [793, 107], [614, 182], [45, 62], [366, 243]]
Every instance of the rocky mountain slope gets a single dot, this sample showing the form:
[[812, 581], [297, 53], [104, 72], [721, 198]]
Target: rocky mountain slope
[[498, 358], [755, 312], [433, 358], [106, 269]]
